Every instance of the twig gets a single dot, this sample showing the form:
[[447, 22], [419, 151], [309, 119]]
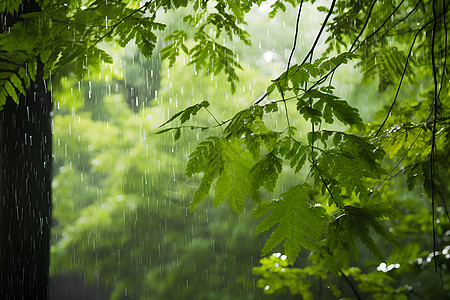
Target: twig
[[218, 123], [433, 138], [403, 76], [289, 63], [350, 284], [398, 162], [119, 22], [325, 21], [292, 51], [295, 37], [365, 24], [381, 26], [400, 21]]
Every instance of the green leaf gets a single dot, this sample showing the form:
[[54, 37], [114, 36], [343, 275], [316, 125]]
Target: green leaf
[[207, 154], [230, 164], [300, 222], [17, 83], [330, 105], [265, 172], [187, 113], [311, 113], [240, 125], [3, 97], [270, 89], [352, 223], [203, 190], [10, 6], [348, 165], [11, 91], [234, 182], [177, 134], [32, 69]]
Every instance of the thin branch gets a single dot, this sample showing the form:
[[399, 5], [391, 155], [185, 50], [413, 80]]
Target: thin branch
[[295, 38], [400, 21], [182, 126], [289, 63], [218, 123], [401, 78], [119, 22], [365, 24], [381, 26], [325, 21], [444, 67], [261, 99], [400, 160], [433, 138], [292, 51], [350, 284], [444, 21], [420, 125]]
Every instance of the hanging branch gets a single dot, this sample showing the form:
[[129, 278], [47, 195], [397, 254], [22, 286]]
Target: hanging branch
[[295, 38], [444, 68], [369, 14], [120, 22], [433, 137], [382, 24], [325, 21], [289, 63], [403, 75], [350, 284]]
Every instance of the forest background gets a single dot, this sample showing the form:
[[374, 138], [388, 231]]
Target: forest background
[[122, 226]]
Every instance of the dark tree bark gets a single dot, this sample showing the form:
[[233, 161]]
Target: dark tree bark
[[25, 185]]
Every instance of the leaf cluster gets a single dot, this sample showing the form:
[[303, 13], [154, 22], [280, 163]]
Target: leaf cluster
[[351, 223], [301, 223], [297, 77], [249, 156], [184, 116], [10, 6], [345, 168], [60, 35], [226, 162]]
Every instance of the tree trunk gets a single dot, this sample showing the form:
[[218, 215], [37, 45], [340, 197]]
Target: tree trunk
[[25, 185], [25, 206]]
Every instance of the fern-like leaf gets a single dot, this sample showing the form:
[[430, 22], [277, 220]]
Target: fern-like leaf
[[206, 158], [351, 223], [265, 172], [227, 162], [300, 222], [348, 164], [186, 113], [234, 182]]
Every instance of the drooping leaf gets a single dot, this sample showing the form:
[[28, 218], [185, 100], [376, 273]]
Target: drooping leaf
[[352, 223], [228, 163], [186, 114], [234, 182], [265, 172], [206, 159], [301, 223]]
